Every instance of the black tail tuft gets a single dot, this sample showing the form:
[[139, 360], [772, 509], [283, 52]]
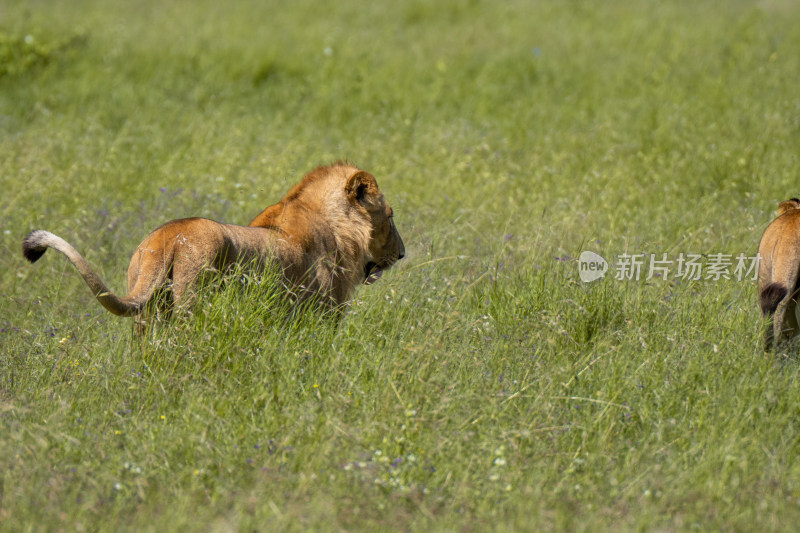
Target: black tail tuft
[[771, 296], [31, 248]]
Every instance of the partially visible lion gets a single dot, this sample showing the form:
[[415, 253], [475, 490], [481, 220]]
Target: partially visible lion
[[329, 233], [778, 272]]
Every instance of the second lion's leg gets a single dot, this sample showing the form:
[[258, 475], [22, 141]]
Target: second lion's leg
[[790, 326]]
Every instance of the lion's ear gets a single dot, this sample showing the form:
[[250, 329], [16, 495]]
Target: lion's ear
[[788, 205], [358, 185]]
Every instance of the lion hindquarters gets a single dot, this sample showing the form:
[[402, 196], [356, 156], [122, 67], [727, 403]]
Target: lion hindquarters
[[779, 304], [177, 252], [778, 273]]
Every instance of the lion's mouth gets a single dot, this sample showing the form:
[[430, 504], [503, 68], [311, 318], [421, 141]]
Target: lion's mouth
[[372, 273]]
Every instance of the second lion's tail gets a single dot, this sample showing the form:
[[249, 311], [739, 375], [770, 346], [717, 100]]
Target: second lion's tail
[[36, 244], [771, 296]]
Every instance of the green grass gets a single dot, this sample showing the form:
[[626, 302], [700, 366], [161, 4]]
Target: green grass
[[480, 384]]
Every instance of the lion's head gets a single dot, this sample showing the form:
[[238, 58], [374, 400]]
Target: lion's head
[[385, 245], [342, 222]]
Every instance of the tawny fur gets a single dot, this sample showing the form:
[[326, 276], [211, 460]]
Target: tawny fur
[[778, 272], [329, 233]]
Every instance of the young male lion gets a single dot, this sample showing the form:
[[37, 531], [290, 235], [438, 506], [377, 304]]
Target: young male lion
[[329, 233], [778, 273]]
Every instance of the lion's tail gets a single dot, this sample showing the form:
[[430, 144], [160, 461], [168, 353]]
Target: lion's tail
[[36, 244], [771, 296]]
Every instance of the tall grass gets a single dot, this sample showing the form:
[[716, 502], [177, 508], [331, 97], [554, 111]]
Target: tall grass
[[479, 384]]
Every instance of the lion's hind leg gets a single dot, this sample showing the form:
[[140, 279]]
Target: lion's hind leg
[[788, 329], [188, 273], [770, 298], [148, 281], [784, 327]]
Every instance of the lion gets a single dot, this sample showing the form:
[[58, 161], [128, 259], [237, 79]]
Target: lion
[[778, 270], [331, 232]]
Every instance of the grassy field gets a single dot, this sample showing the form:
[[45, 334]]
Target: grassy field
[[480, 384]]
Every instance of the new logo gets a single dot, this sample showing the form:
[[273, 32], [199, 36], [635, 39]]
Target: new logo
[[591, 266]]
